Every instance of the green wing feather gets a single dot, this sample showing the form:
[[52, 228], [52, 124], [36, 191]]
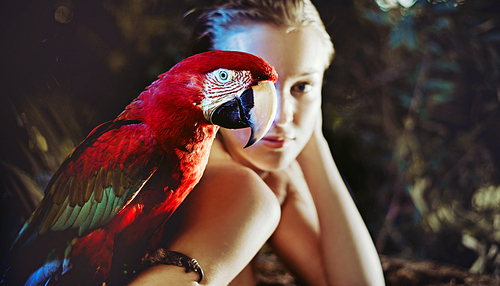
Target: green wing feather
[[96, 180]]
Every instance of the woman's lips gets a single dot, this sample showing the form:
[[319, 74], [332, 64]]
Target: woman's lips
[[276, 141]]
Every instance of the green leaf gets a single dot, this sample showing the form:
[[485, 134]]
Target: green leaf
[[439, 85], [446, 66], [403, 33], [441, 97]]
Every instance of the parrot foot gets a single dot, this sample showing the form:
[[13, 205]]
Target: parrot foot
[[162, 256]]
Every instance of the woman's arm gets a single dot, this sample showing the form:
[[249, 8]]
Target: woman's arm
[[296, 239], [349, 255], [224, 222]]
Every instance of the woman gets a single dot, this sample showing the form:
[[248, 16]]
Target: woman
[[286, 188]]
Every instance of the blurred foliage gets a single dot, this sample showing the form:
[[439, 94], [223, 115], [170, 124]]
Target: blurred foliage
[[420, 93], [411, 106]]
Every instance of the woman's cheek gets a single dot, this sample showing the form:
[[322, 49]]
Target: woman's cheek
[[236, 136]]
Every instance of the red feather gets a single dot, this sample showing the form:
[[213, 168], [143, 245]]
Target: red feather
[[114, 192]]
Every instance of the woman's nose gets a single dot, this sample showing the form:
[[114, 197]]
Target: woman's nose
[[284, 112]]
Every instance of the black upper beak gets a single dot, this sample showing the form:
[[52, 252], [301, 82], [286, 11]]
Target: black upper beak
[[235, 114], [255, 108]]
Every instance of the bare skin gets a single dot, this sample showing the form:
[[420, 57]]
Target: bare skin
[[285, 189], [218, 227]]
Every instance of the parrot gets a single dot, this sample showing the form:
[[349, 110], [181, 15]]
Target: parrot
[[114, 192]]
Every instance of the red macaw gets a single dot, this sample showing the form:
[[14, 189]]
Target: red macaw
[[114, 192]]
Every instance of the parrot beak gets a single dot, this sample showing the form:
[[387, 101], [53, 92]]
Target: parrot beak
[[254, 108]]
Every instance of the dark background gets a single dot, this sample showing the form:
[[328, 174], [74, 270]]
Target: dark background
[[411, 107]]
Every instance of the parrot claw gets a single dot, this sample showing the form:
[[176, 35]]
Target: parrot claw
[[162, 256]]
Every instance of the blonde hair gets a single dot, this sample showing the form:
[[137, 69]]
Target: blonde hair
[[236, 13]]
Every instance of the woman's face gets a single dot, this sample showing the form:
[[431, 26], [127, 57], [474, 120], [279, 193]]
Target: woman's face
[[300, 57]]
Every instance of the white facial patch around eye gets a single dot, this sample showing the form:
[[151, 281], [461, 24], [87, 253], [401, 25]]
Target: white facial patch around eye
[[223, 82], [221, 86]]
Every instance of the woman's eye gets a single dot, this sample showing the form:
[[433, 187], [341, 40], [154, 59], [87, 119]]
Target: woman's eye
[[223, 75], [300, 88]]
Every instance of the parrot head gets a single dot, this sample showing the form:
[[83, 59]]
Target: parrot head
[[226, 88]]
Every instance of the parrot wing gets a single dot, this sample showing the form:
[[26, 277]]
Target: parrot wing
[[96, 180]]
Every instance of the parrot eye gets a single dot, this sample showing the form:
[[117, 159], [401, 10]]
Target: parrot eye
[[223, 75]]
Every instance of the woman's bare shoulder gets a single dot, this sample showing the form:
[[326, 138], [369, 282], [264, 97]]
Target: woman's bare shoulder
[[230, 174]]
